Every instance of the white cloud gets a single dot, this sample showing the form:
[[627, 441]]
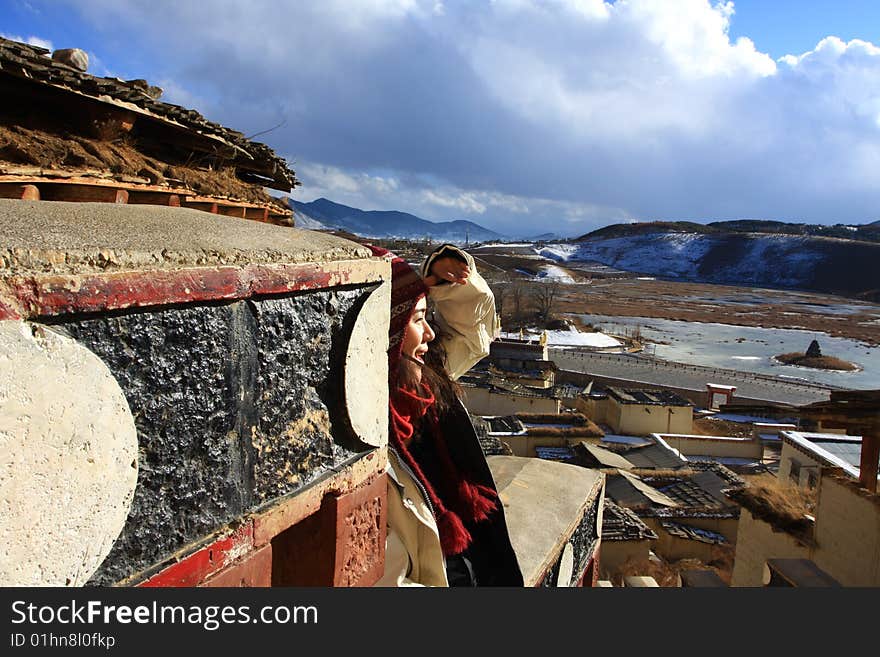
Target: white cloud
[[31, 40], [512, 215], [566, 113]]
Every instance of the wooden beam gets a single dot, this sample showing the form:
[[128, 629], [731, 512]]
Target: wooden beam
[[868, 462], [23, 192], [205, 206], [84, 193], [232, 210], [258, 214], [154, 198]]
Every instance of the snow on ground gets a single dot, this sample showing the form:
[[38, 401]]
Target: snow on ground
[[571, 338], [502, 244], [560, 252], [301, 220], [781, 259], [552, 272]]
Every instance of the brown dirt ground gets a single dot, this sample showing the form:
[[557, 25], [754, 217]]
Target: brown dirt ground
[[691, 302], [706, 427], [624, 294]]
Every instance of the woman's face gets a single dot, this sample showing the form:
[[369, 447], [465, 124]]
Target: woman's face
[[418, 333]]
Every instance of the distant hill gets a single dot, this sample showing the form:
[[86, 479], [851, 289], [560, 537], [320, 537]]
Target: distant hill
[[777, 256], [325, 214], [864, 232], [545, 237]]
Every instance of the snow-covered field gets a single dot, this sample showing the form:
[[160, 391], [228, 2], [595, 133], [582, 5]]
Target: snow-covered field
[[504, 245], [571, 338], [554, 273], [782, 260]]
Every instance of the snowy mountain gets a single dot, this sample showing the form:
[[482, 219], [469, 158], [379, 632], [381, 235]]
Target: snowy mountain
[[325, 214], [755, 259]]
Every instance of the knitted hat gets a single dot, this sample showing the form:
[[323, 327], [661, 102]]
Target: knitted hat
[[407, 287]]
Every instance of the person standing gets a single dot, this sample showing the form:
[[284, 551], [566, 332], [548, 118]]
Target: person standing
[[446, 524]]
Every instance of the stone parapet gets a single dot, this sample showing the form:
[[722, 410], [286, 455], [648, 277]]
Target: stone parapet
[[250, 361]]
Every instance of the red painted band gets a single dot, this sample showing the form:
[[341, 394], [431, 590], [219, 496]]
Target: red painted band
[[49, 295], [193, 569]]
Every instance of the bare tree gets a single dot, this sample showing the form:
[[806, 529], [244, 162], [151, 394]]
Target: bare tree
[[544, 296], [498, 290], [517, 296]]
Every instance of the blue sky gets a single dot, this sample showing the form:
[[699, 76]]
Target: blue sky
[[792, 27], [523, 116]]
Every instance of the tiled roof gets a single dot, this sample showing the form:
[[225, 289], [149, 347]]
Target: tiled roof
[[621, 524], [693, 533], [630, 491], [690, 494], [702, 490], [568, 391], [654, 456], [732, 479], [564, 454], [599, 457], [649, 397], [501, 385], [25, 62], [491, 445], [733, 463]]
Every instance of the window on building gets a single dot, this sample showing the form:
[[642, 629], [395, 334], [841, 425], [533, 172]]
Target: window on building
[[812, 478], [795, 470]]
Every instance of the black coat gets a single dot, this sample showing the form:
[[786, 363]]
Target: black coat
[[491, 553]]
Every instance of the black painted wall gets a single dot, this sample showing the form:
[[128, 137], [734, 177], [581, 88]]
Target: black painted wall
[[583, 543], [235, 405]]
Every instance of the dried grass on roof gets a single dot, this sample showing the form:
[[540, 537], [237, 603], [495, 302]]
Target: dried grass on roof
[[589, 431], [53, 149], [667, 574], [578, 419], [782, 506], [708, 427], [663, 474]]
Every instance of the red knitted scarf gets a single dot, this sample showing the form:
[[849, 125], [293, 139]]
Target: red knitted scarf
[[460, 501]]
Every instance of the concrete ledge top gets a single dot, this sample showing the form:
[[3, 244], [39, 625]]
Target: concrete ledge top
[[544, 501], [61, 237]]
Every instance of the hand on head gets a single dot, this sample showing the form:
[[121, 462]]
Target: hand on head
[[447, 270]]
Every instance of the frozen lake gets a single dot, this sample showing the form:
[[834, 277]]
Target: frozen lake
[[746, 348]]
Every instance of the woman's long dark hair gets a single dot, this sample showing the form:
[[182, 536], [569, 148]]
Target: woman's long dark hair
[[446, 392]]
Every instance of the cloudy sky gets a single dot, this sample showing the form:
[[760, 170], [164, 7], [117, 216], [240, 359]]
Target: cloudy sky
[[525, 116]]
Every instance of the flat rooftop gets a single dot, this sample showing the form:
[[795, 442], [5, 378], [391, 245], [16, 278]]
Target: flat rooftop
[[834, 449], [649, 397], [60, 237], [544, 502]]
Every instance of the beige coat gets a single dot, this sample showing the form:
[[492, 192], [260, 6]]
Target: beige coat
[[466, 314], [413, 556]]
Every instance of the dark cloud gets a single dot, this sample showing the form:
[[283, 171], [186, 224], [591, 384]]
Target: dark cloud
[[562, 116]]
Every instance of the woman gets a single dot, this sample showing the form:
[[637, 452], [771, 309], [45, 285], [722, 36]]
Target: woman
[[446, 523]]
